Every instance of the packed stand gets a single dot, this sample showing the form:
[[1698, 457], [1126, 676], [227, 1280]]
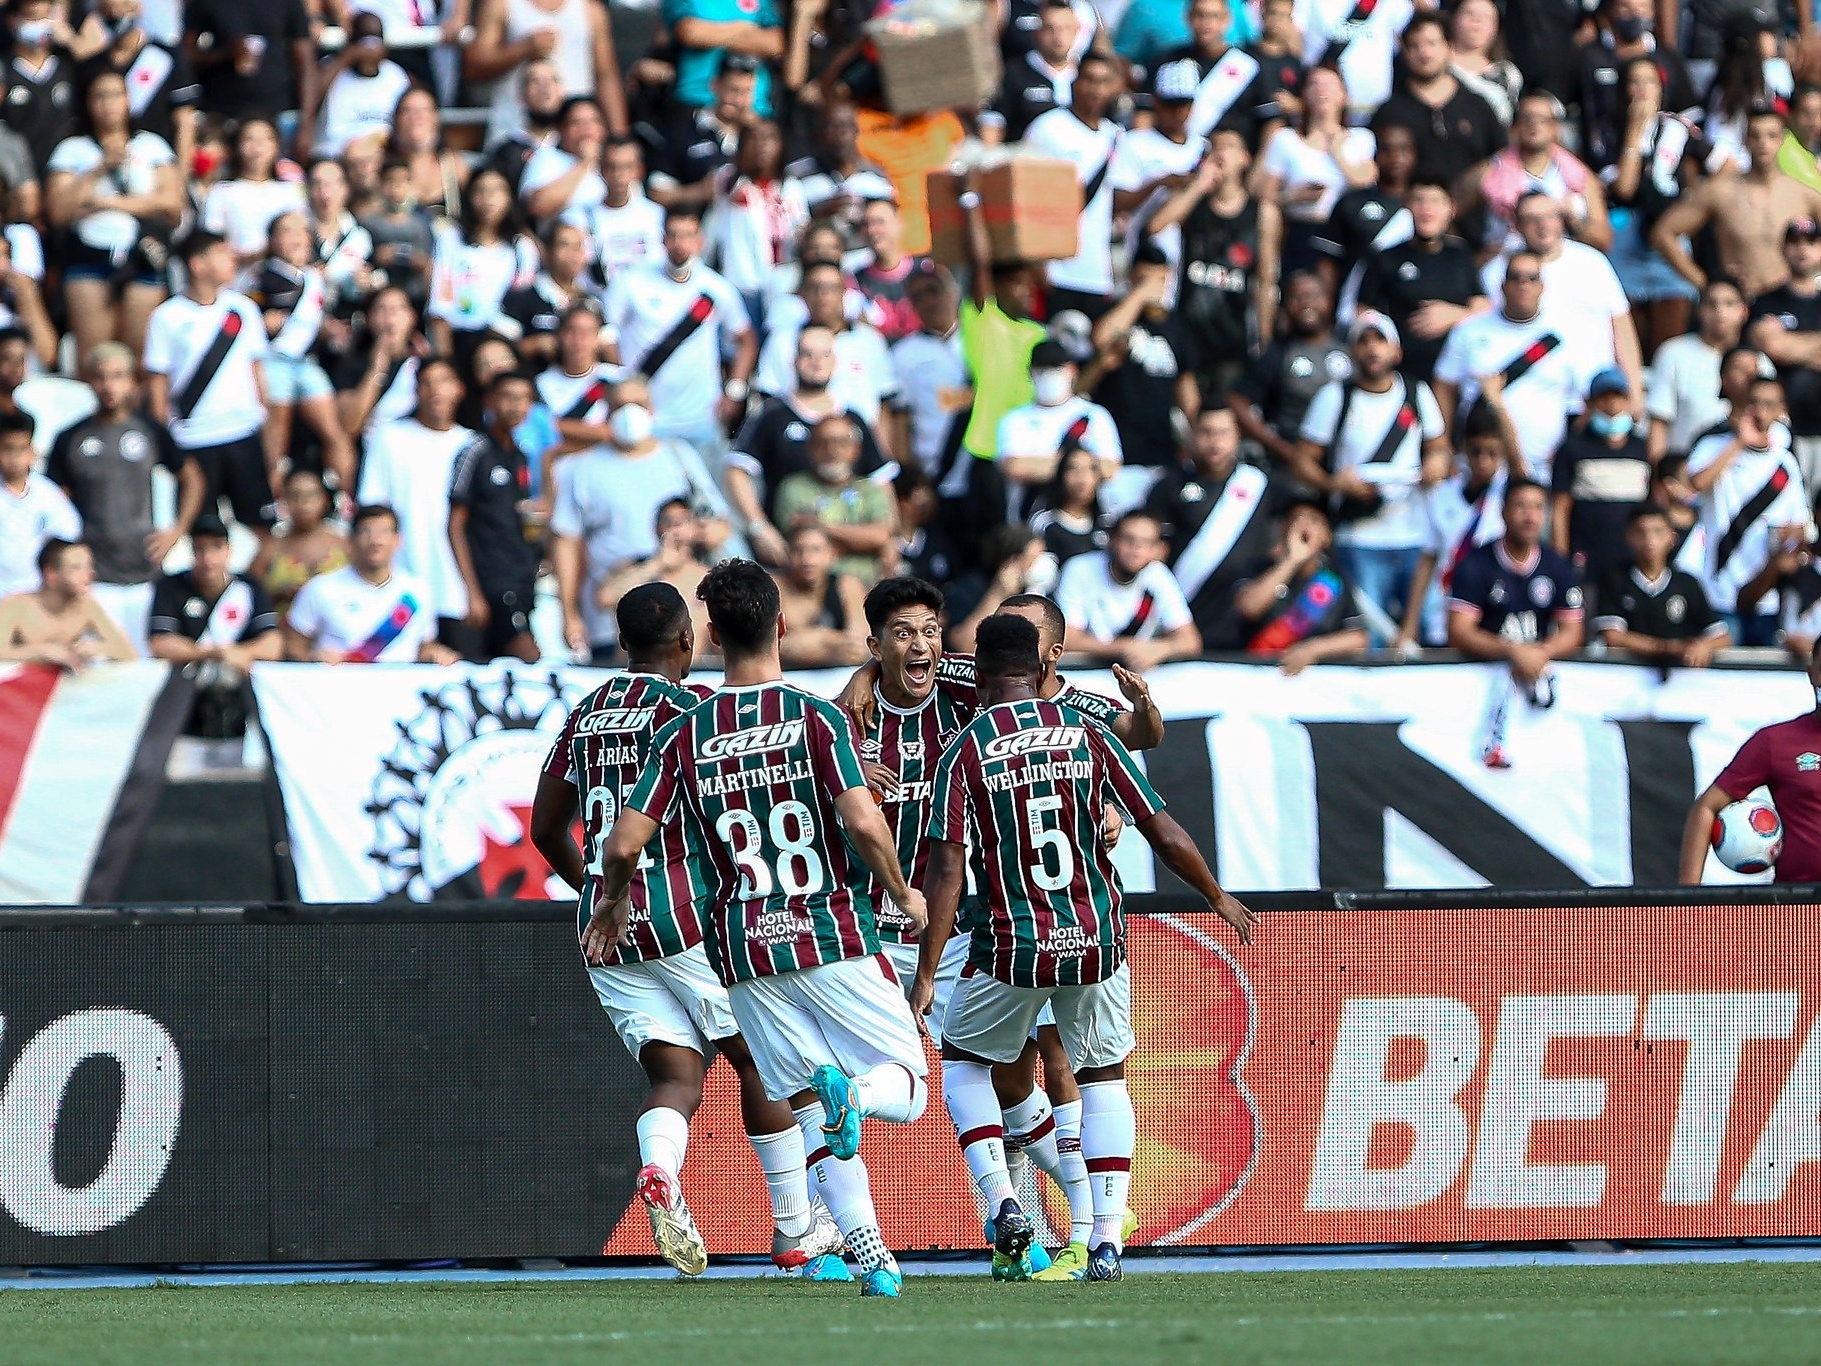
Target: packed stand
[[1298, 329]]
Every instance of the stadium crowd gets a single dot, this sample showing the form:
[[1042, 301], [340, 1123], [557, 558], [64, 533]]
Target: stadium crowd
[[1388, 327]]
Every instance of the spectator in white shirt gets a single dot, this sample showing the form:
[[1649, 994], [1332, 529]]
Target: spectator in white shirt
[[477, 265], [33, 510], [1684, 397], [1033, 438], [366, 612], [932, 375], [243, 206], [567, 176], [1123, 605], [1305, 169], [1083, 135], [364, 89], [753, 223], [865, 379], [625, 229]]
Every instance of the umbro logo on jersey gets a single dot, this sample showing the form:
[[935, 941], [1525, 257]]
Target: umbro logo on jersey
[[752, 740], [1808, 763], [616, 719], [1038, 737]]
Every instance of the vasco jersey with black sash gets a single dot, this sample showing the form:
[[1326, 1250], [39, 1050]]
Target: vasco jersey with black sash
[[670, 332], [208, 353], [300, 300], [603, 748], [760, 768], [909, 741]]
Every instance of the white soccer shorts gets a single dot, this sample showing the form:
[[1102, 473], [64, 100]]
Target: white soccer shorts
[[675, 1000], [851, 1014], [903, 958], [994, 1021]]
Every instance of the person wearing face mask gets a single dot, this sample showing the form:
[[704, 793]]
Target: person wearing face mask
[[1626, 32], [1033, 438], [1520, 349], [40, 101], [496, 548], [605, 513], [774, 444], [1601, 474]]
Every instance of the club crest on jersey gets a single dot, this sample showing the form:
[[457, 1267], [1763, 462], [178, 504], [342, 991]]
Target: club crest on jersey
[[1037, 737], [752, 740], [616, 719]]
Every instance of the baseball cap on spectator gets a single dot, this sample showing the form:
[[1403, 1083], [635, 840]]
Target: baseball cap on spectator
[[1176, 82], [1150, 253], [1371, 320], [1050, 355], [1802, 229], [1611, 380], [208, 525], [738, 61], [1072, 330]]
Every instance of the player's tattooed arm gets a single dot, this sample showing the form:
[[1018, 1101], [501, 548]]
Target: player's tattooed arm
[[944, 879], [1172, 844], [1141, 727]]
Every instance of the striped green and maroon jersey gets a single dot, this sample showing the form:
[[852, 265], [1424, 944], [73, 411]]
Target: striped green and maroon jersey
[[909, 743], [1098, 706], [759, 768], [1024, 786], [600, 753]]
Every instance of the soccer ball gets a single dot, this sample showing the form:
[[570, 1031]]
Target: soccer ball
[[1748, 836]]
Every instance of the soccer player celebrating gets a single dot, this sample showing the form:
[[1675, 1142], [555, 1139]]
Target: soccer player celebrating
[[772, 779], [651, 972], [1022, 786]]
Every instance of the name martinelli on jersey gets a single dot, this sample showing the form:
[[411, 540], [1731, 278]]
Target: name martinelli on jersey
[[722, 783], [1063, 770]]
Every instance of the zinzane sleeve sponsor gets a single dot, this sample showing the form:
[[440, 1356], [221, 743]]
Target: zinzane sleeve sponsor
[[560, 762]]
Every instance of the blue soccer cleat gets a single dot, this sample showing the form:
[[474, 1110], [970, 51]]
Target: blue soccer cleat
[[828, 1267], [841, 1110], [1010, 1230], [882, 1284], [1103, 1264]]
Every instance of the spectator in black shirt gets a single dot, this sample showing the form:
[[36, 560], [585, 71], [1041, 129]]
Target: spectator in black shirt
[[925, 550], [164, 89], [260, 61], [490, 484], [217, 625], [40, 101], [1298, 606], [1147, 359], [1246, 106], [1652, 609], [1624, 35], [1040, 80], [1454, 128], [687, 155], [1272, 397], [1371, 218], [1278, 50], [1601, 473], [1543, 36], [537, 309], [1428, 284], [1786, 326], [1069, 518], [1218, 518]]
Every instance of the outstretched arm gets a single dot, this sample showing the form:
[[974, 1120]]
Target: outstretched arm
[[1172, 844]]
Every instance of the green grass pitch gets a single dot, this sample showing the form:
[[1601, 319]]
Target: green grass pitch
[[1559, 1316]]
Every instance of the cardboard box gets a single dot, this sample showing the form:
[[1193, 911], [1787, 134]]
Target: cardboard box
[[928, 66], [1032, 207]]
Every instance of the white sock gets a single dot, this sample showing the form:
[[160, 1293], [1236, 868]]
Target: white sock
[[891, 1092], [1032, 1126], [1109, 1134], [1068, 1126], [844, 1187], [1074, 1171], [781, 1159], [967, 1089], [663, 1139]]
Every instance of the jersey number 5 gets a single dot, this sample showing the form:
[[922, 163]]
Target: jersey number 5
[[793, 836], [1045, 836]]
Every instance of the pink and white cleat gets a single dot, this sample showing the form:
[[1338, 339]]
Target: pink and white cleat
[[672, 1227]]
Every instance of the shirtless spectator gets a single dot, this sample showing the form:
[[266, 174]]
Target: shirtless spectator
[[1749, 215], [687, 544], [61, 623], [824, 611]]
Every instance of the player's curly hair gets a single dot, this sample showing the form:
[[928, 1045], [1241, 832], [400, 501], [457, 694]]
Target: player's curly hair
[[742, 602]]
